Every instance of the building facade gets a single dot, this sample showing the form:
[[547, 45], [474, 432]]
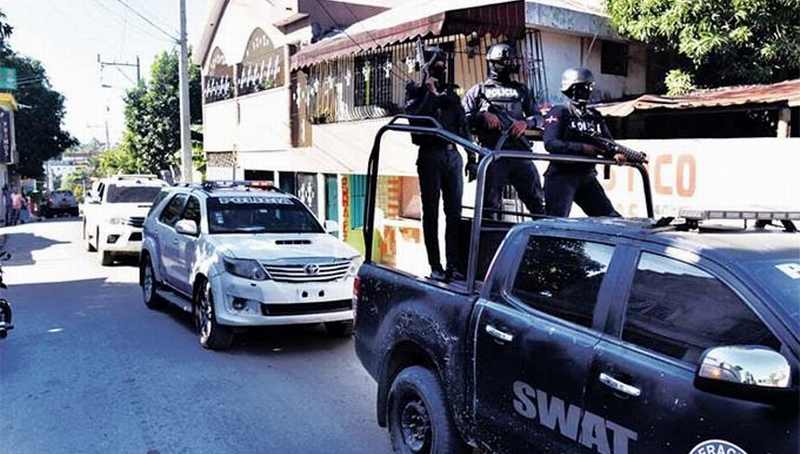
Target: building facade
[[295, 91]]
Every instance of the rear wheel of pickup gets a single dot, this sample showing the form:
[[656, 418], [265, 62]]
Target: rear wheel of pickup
[[213, 336], [149, 286], [343, 328], [419, 418]]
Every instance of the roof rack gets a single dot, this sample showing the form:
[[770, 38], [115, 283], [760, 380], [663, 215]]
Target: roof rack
[[247, 185], [762, 217]]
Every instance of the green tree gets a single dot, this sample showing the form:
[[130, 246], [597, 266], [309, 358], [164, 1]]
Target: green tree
[[5, 31], [118, 160], [152, 114], [77, 181], [39, 121], [716, 42]]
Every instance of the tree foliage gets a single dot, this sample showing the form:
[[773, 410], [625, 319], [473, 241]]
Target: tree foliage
[[5, 31], [116, 161], [152, 114], [717, 42], [39, 121]]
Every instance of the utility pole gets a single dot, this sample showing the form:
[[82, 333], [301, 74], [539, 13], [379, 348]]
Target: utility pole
[[186, 138], [103, 64]]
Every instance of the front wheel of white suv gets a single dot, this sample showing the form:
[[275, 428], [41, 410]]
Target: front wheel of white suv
[[213, 336]]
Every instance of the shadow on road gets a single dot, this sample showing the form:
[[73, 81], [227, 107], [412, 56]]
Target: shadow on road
[[21, 245], [268, 340]]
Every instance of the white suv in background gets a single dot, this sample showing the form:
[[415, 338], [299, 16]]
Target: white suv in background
[[236, 256], [114, 212]]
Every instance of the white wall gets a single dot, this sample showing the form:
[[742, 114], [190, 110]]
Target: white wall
[[562, 51], [254, 122]]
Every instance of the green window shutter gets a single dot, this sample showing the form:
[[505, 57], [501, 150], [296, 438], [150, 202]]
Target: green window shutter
[[331, 198], [358, 195]]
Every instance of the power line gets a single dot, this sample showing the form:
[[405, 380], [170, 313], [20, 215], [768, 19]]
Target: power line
[[344, 31], [150, 22]]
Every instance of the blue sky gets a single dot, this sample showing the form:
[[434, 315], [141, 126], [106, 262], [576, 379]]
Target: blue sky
[[67, 35]]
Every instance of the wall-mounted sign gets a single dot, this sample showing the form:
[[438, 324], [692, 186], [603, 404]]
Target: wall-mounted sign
[[262, 65], [8, 78], [6, 136], [219, 81]]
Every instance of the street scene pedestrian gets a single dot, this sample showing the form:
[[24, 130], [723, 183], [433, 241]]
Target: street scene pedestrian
[[399, 226]]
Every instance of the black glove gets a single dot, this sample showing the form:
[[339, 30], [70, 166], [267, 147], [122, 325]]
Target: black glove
[[471, 169]]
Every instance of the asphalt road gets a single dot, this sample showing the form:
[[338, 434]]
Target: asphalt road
[[89, 369]]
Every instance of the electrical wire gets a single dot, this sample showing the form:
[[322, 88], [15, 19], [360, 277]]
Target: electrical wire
[[402, 77], [146, 19]]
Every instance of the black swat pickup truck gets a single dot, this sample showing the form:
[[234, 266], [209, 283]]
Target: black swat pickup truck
[[603, 336]]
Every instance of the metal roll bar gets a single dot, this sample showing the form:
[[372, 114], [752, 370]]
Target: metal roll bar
[[487, 157]]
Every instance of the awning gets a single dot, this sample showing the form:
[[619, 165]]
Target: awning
[[418, 18], [786, 93]]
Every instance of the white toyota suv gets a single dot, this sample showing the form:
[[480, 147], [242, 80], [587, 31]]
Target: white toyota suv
[[236, 256], [114, 212]]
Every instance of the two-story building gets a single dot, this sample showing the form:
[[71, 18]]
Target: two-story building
[[294, 91]]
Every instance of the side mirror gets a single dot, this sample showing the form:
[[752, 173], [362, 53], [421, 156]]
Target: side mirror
[[331, 226], [748, 372], [187, 227]]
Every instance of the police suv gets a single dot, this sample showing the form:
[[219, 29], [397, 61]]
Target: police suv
[[235, 256], [596, 335]]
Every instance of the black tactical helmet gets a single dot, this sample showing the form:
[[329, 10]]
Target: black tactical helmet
[[577, 84], [502, 60]]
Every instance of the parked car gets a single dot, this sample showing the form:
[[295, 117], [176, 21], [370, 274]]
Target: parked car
[[236, 256], [114, 212], [58, 203], [590, 335]]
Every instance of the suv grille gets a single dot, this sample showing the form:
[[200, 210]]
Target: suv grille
[[306, 308], [135, 221], [309, 272]]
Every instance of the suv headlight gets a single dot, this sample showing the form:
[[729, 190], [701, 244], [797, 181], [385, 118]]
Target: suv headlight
[[117, 221], [246, 268], [355, 264]]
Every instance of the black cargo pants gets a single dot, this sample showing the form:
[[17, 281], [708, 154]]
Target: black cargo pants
[[439, 169], [520, 174], [561, 189]]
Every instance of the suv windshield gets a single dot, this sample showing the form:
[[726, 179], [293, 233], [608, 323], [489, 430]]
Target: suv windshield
[[132, 194], [260, 214]]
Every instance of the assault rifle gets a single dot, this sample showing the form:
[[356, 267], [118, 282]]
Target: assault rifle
[[506, 123], [611, 148]]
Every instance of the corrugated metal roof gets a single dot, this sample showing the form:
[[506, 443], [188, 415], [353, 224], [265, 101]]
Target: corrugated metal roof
[[787, 92]]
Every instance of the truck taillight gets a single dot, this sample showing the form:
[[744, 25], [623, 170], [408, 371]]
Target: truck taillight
[[356, 288]]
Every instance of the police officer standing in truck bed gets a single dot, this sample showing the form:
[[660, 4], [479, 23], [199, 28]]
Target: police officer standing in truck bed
[[439, 164], [515, 99], [565, 127]]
